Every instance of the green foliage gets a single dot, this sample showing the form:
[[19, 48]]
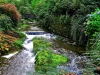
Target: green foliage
[[94, 55], [27, 13], [25, 10], [5, 23], [93, 31], [69, 13], [64, 19], [18, 44], [19, 3], [37, 3], [46, 60], [23, 26], [40, 44], [78, 19], [24, 7], [3, 1], [93, 24]]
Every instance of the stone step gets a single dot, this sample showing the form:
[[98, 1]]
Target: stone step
[[35, 32]]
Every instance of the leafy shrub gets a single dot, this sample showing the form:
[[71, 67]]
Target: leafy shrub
[[27, 12], [6, 42], [24, 7], [93, 32], [36, 3], [93, 23], [3, 1], [64, 19], [23, 26], [47, 60], [70, 13], [11, 11], [12, 42], [94, 56], [78, 28], [18, 44], [5, 23], [19, 3]]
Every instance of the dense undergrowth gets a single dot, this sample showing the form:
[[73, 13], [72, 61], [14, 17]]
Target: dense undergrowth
[[65, 17], [93, 46], [11, 38]]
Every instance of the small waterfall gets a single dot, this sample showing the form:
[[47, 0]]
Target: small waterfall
[[23, 62], [76, 63]]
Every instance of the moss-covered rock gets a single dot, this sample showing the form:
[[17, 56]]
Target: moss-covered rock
[[40, 44], [46, 60]]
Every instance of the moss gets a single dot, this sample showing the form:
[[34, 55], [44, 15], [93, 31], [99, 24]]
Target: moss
[[41, 44], [47, 60]]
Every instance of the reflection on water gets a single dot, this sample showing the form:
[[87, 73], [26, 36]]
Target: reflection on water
[[67, 46]]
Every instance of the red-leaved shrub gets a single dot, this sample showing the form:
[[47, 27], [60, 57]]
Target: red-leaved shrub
[[11, 11]]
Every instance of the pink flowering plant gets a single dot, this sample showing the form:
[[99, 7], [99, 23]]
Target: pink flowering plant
[[93, 23]]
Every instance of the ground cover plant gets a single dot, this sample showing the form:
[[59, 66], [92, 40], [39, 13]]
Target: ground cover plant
[[46, 60], [41, 44]]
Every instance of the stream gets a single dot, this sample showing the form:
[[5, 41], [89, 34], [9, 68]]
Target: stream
[[22, 63]]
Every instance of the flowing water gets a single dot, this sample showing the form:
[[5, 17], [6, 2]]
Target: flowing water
[[22, 63]]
